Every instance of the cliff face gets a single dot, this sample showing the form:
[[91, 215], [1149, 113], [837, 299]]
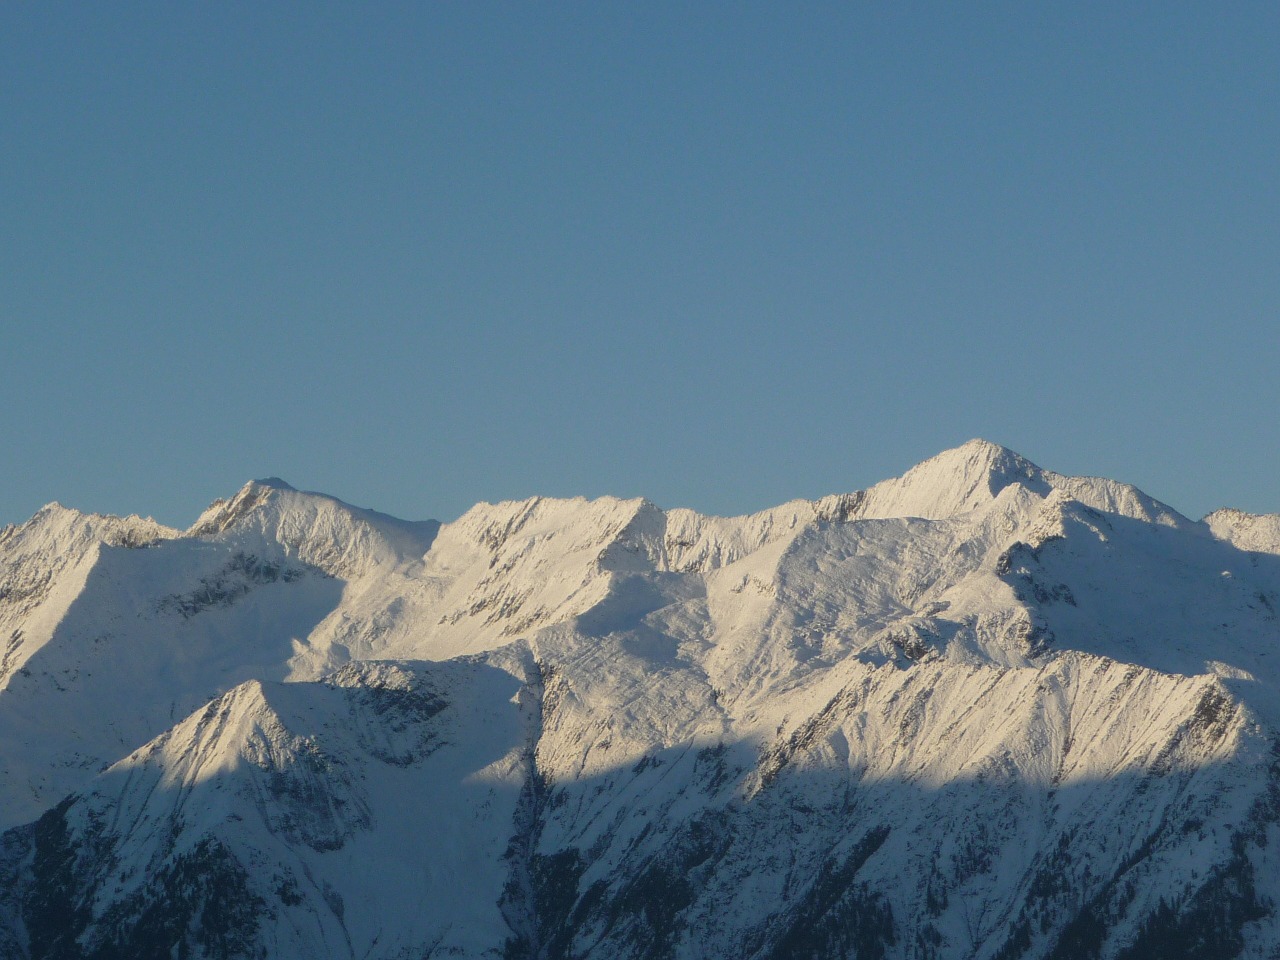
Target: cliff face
[[982, 710]]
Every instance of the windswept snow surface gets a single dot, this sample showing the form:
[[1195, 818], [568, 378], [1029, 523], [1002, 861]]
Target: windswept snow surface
[[978, 711]]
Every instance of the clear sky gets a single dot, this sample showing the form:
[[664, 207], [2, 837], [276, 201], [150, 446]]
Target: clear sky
[[721, 255]]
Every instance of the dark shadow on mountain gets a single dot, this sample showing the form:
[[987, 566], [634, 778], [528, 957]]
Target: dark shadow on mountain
[[818, 864], [696, 849], [631, 598]]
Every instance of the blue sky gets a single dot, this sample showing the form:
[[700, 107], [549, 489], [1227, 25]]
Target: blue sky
[[720, 255]]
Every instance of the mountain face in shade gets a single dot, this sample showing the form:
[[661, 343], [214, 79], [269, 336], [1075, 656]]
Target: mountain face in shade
[[982, 710]]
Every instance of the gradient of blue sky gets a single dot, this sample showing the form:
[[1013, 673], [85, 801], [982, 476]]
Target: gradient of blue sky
[[720, 255]]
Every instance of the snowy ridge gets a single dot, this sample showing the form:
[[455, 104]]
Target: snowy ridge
[[1246, 530], [979, 711], [341, 540], [43, 564]]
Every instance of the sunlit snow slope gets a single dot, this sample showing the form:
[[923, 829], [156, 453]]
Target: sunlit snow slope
[[978, 711]]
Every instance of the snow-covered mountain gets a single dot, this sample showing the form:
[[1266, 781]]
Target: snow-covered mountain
[[978, 711]]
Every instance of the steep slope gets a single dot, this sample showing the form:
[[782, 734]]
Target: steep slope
[[979, 711]]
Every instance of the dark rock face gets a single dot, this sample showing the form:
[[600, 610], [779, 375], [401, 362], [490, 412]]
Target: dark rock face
[[240, 575], [199, 905]]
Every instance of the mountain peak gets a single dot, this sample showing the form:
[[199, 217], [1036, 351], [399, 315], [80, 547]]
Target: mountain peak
[[985, 446], [1246, 531], [222, 515], [341, 539], [995, 459], [953, 482], [55, 524]]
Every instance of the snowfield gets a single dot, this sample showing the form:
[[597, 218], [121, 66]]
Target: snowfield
[[978, 711]]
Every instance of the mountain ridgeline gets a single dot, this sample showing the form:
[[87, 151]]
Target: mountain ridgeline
[[979, 711]]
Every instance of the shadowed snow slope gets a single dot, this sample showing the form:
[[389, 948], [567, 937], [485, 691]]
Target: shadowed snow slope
[[978, 711]]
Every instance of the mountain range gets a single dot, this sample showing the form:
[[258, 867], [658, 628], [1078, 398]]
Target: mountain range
[[982, 710]]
